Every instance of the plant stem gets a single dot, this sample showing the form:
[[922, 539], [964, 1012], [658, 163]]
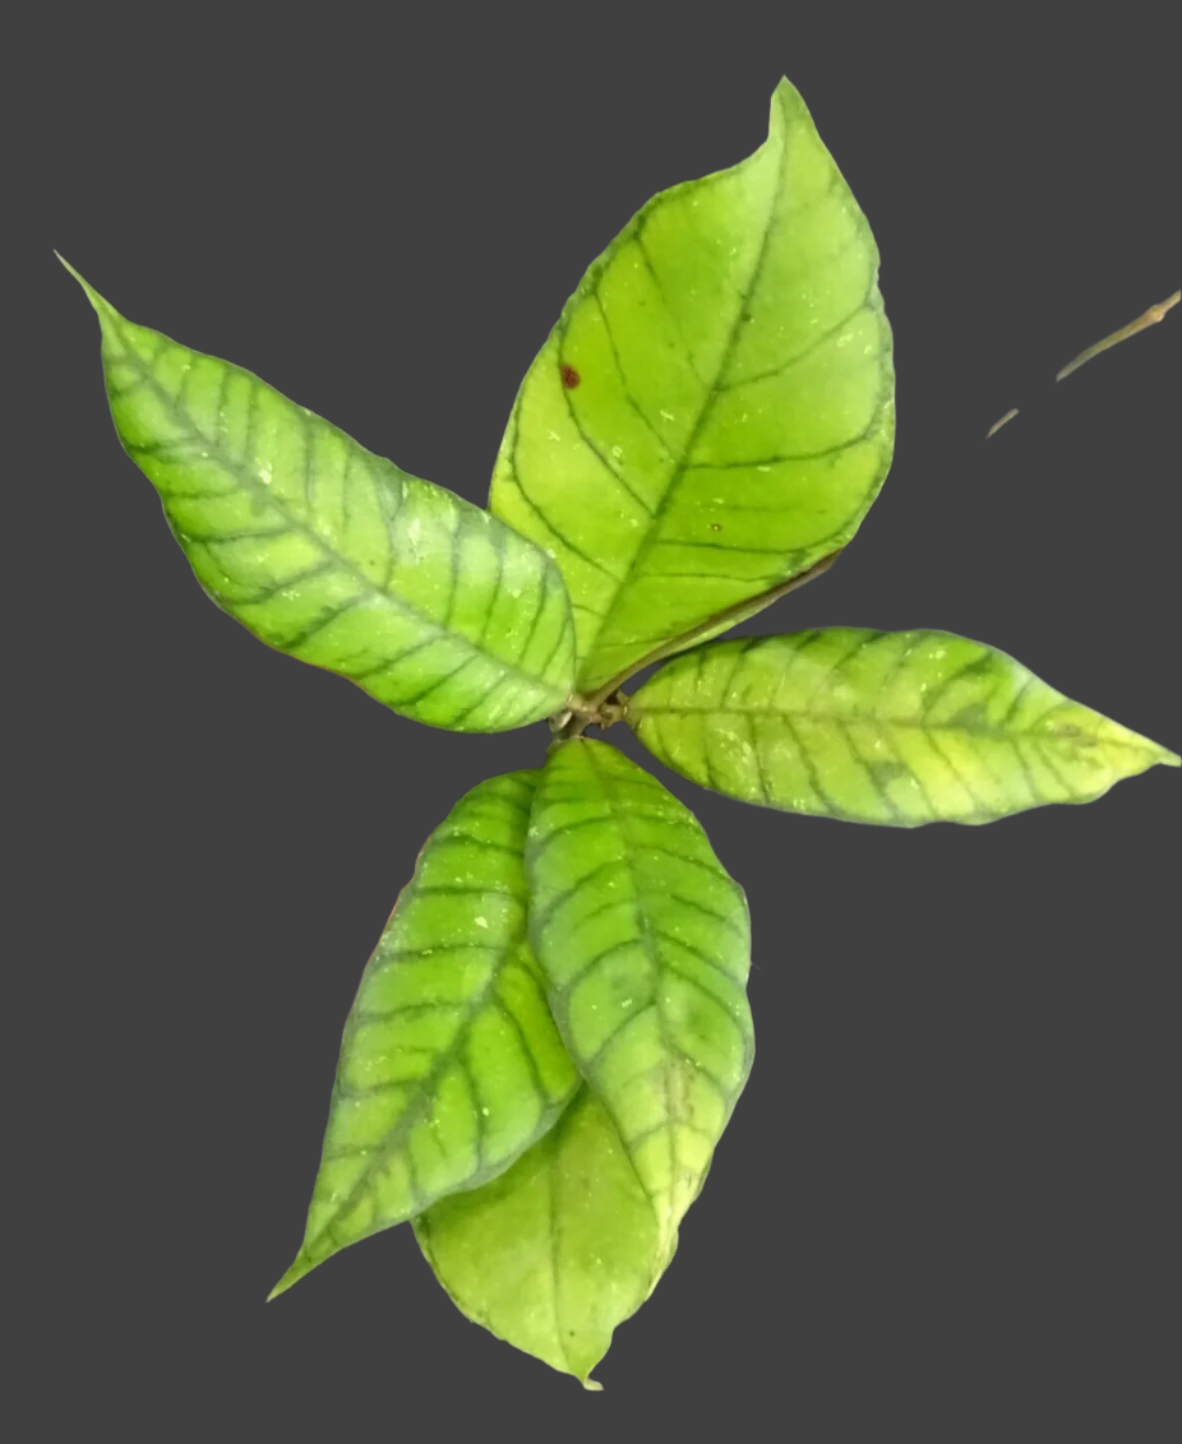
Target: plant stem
[[587, 710], [737, 613]]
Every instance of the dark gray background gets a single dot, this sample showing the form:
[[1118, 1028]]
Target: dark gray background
[[947, 1206]]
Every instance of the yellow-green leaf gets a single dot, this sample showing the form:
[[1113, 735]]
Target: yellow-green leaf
[[645, 944], [556, 1252], [332, 554], [900, 728], [451, 1065], [714, 412]]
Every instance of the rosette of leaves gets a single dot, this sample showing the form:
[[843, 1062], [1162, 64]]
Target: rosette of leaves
[[553, 1031]]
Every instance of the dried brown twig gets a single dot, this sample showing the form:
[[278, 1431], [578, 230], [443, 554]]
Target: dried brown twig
[[1150, 318], [997, 425]]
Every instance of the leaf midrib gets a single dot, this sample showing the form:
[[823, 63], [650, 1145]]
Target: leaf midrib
[[398, 1138], [793, 714], [621, 817], [712, 394]]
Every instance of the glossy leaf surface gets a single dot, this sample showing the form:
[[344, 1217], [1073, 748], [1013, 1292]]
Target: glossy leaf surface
[[451, 1064], [332, 554], [556, 1252], [714, 411], [645, 944], [901, 728]]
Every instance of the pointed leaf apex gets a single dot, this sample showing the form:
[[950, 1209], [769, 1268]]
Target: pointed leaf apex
[[1153, 753], [787, 104], [294, 1274], [101, 306]]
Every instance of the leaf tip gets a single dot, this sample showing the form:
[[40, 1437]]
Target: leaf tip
[[92, 295], [1157, 754], [592, 1386], [293, 1275], [782, 97], [787, 104]]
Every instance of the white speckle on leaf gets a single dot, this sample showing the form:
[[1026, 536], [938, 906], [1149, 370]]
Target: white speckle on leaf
[[265, 473], [617, 452], [553, 435], [481, 922], [763, 468], [668, 415]]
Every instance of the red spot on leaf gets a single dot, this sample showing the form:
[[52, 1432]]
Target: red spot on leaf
[[570, 377]]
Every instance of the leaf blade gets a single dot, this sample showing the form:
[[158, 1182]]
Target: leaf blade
[[451, 1000], [332, 554], [894, 728], [713, 413], [645, 943], [552, 1256]]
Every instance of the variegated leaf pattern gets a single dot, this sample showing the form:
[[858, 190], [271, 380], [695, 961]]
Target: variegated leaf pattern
[[714, 412], [332, 554], [556, 1252], [900, 728], [451, 1065], [645, 944]]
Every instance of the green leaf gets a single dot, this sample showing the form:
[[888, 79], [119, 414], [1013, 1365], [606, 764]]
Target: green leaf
[[900, 728], [332, 554], [555, 1253], [450, 1065], [645, 943], [714, 411]]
